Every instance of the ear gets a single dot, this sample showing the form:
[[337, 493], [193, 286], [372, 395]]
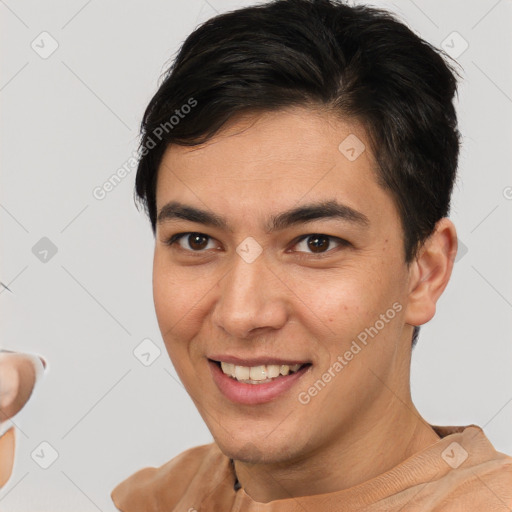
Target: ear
[[430, 272]]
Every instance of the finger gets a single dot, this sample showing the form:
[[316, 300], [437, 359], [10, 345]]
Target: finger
[[17, 379], [7, 444]]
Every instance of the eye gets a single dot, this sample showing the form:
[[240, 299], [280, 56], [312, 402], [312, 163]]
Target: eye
[[309, 244], [318, 243], [197, 242]]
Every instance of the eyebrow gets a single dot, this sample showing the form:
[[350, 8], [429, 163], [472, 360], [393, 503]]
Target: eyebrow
[[299, 215]]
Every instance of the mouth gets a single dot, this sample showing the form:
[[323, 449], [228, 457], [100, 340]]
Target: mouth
[[260, 374], [256, 384]]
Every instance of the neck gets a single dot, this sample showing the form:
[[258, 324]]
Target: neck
[[359, 455]]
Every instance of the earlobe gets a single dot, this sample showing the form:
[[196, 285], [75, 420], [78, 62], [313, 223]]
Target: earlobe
[[430, 272]]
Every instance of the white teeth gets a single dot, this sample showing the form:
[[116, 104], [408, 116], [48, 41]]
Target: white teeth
[[228, 368], [272, 371], [258, 374], [242, 372]]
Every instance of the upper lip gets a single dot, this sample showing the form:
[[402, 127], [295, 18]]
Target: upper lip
[[256, 361]]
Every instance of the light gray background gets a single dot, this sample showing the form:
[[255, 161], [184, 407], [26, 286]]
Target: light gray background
[[70, 121]]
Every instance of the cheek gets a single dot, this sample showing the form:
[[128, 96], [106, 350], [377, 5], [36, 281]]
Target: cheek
[[342, 298], [163, 290], [350, 302], [181, 296], [171, 297], [171, 305]]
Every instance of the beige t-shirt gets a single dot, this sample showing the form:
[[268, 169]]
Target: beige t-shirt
[[460, 472]]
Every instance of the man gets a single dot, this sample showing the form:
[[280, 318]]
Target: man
[[297, 164]]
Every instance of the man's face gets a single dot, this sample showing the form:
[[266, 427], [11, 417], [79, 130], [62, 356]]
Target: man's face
[[330, 291]]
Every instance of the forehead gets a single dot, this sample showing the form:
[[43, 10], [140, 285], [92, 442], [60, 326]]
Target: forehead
[[265, 161]]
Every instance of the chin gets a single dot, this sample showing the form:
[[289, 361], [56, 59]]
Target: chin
[[256, 450]]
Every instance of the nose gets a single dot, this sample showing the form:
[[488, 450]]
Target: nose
[[251, 298]]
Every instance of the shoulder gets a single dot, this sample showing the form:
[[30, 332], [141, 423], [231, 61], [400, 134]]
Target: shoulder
[[482, 480], [491, 483], [486, 486], [148, 488]]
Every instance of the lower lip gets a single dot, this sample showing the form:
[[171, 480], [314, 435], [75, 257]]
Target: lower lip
[[252, 394]]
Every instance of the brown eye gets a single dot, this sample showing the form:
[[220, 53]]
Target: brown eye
[[191, 242], [318, 243], [197, 241]]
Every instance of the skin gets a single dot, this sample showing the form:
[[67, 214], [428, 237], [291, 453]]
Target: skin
[[309, 308], [17, 381]]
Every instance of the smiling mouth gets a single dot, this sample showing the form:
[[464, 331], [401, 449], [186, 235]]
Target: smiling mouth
[[261, 374]]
